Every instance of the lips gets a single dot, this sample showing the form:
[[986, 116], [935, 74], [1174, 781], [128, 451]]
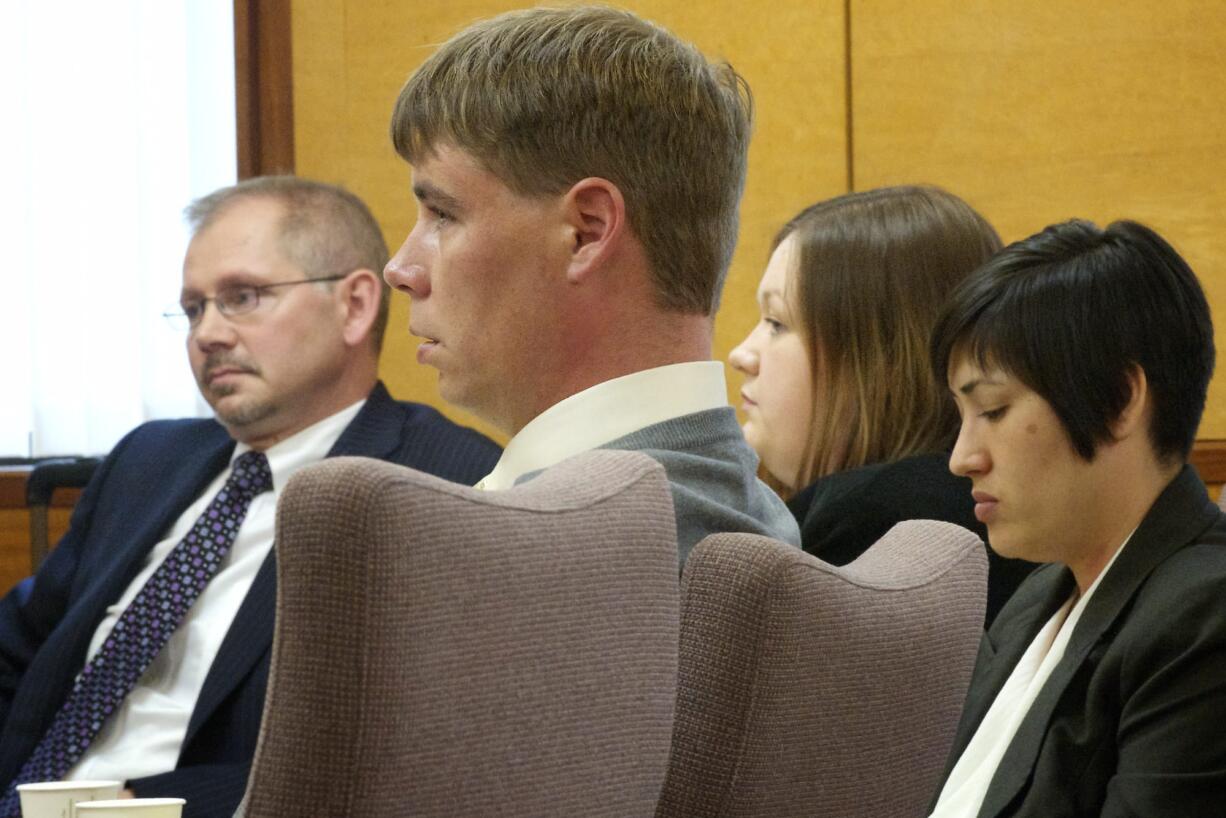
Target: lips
[[224, 371], [417, 333], [985, 506], [748, 401], [425, 349], [220, 367], [428, 345]]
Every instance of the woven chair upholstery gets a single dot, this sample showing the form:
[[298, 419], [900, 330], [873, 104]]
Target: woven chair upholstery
[[811, 690], [442, 651]]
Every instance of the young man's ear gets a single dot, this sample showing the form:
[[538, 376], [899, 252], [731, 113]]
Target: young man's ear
[[596, 213], [1135, 416], [358, 297]]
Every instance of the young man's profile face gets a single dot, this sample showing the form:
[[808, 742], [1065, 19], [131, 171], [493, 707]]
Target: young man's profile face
[[483, 267]]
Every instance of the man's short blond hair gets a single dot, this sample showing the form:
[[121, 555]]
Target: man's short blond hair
[[543, 98]]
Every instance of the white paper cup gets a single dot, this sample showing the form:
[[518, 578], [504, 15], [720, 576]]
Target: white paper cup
[[132, 808], [54, 799]]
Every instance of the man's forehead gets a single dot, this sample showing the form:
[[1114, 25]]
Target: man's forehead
[[236, 250], [229, 277], [449, 171], [442, 160], [244, 212]]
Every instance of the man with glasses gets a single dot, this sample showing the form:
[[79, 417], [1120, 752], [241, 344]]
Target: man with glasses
[[141, 651]]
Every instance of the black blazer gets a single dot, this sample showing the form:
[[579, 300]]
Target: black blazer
[[843, 514], [1130, 721], [138, 492]]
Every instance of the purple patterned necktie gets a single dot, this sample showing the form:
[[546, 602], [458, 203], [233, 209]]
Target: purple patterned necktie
[[143, 628]]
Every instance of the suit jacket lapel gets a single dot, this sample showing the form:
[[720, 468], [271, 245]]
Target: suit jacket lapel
[[246, 641], [1180, 514], [189, 477], [373, 432], [61, 659], [1002, 647]]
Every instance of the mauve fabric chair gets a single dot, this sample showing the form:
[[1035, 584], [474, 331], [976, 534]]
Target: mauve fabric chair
[[811, 690], [443, 651]]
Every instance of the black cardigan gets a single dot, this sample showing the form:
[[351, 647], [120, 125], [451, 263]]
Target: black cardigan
[[842, 514]]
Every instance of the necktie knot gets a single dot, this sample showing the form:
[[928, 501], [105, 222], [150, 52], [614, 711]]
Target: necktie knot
[[251, 474]]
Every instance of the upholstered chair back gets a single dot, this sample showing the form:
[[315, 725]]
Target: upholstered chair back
[[811, 690], [443, 651]]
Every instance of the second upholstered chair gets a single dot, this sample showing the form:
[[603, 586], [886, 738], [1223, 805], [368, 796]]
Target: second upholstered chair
[[442, 651], [811, 690]]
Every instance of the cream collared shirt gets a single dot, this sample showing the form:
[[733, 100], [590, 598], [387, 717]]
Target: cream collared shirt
[[607, 411], [145, 735], [967, 785]]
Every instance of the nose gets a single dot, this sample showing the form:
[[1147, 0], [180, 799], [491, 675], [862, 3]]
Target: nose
[[214, 330], [744, 356], [968, 458], [406, 271]]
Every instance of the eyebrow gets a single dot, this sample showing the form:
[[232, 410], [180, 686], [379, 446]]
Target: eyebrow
[[234, 278], [766, 295], [973, 384], [429, 194]]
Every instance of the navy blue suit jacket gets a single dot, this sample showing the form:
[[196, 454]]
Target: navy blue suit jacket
[[138, 492]]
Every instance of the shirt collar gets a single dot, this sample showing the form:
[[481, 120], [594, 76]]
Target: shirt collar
[[304, 447], [602, 413]]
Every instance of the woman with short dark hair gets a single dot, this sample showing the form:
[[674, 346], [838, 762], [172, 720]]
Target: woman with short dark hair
[[1080, 360]]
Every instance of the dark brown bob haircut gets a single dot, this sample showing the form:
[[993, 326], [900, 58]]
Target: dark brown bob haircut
[[1071, 310]]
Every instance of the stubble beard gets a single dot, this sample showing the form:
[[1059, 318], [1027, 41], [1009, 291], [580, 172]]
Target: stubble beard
[[245, 413]]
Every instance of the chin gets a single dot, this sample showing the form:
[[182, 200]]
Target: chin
[[242, 413], [475, 397], [1005, 545]]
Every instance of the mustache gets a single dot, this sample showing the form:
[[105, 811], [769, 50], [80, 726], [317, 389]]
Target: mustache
[[225, 360]]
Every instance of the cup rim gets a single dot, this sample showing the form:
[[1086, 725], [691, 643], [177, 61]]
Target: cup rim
[[54, 786]]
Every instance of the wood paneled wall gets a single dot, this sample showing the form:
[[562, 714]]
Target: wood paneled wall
[[1034, 112], [1046, 110], [263, 73], [351, 58], [15, 524]]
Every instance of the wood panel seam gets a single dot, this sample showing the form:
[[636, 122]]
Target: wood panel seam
[[849, 111]]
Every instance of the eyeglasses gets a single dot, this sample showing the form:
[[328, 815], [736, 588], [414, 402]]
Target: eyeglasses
[[240, 299]]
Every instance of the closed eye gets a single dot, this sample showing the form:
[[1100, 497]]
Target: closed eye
[[993, 415], [775, 327]]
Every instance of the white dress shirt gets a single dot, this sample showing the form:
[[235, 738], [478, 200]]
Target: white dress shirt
[[145, 735], [967, 785], [607, 411]]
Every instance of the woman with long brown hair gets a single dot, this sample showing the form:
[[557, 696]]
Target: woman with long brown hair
[[839, 397]]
